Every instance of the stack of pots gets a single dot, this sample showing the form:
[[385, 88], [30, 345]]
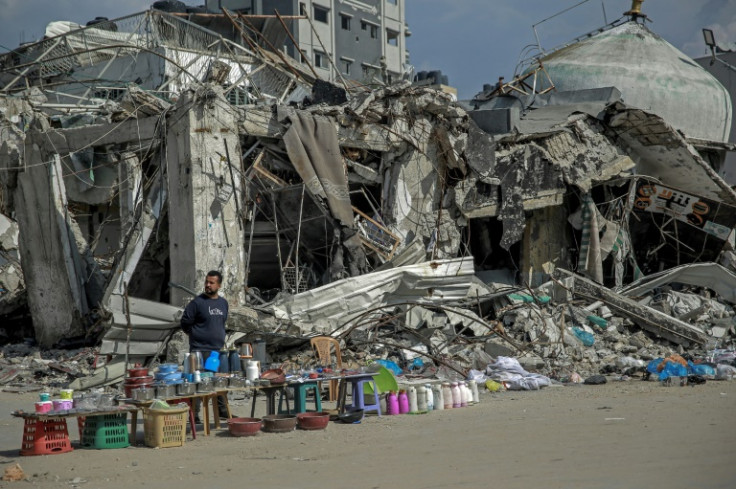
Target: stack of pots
[[137, 377]]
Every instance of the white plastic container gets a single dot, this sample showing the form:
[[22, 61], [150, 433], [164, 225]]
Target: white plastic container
[[474, 390], [439, 401], [421, 399], [413, 408], [430, 397], [456, 395], [251, 371], [447, 395]]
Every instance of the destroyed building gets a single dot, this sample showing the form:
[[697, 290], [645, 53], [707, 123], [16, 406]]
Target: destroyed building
[[139, 153]]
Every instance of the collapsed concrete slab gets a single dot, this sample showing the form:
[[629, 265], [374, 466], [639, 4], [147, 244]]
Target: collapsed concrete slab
[[647, 318]]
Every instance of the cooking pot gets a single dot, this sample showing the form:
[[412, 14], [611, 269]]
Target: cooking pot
[[146, 379], [236, 382], [167, 368], [206, 385], [137, 372], [142, 394], [168, 377], [220, 382], [185, 389], [165, 390]]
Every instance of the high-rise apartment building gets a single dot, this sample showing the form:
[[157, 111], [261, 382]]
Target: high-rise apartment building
[[361, 39]]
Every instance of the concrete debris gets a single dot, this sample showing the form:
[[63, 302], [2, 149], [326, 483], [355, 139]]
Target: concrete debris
[[406, 225], [14, 473]]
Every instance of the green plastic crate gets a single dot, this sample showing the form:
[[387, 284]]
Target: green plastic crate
[[106, 431]]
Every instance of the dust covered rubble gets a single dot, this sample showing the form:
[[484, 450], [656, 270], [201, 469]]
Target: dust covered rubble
[[24, 367]]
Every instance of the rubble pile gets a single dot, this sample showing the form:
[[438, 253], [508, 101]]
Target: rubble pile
[[25, 367], [566, 229]]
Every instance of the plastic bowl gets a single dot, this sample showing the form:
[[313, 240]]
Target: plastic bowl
[[279, 423], [244, 426], [168, 368], [313, 421], [353, 416]]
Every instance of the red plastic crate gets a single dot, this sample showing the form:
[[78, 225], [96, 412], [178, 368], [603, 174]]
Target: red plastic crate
[[45, 437]]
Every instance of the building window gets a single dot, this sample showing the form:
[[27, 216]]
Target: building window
[[321, 14], [369, 27], [320, 60], [302, 8], [303, 56], [392, 37], [347, 65], [345, 22], [393, 2]]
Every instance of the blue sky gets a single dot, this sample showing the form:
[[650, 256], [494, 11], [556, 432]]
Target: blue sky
[[471, 41]]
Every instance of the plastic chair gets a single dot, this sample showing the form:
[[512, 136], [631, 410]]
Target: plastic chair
[[323, 346], [385, 382]]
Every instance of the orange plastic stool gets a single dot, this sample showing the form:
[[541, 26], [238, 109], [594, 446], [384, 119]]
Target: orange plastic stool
[[45, 437]]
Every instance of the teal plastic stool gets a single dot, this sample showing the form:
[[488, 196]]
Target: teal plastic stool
[[300, 392]]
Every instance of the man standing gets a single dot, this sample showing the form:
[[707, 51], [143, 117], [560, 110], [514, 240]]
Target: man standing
[[204, 322]]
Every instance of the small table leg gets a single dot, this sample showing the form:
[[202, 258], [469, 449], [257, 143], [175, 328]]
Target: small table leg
[[342, 395], [215, 410], [133, 426], [206, 409]]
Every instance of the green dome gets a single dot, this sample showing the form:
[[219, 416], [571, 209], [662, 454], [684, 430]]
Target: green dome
[[651, 74]]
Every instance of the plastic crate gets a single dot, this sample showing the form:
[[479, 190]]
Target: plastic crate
[[80, 425], [106, 431], [45, 437], [163, 428]]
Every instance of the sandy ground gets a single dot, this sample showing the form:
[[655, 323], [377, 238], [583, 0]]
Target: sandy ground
[[620, 435]]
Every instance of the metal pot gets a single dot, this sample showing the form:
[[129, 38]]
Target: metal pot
[[185, 389], [206, 385], [221, 382], [142, 394], [236, 382], [165, 390], [246, 350]]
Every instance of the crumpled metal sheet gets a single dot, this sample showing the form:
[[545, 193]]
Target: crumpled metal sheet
[[710, 275], [430, 282]]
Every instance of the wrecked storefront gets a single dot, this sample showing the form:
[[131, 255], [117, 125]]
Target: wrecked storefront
[[389, 217]]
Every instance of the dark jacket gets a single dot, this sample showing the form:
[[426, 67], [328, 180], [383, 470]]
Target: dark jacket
[[204, 321]]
